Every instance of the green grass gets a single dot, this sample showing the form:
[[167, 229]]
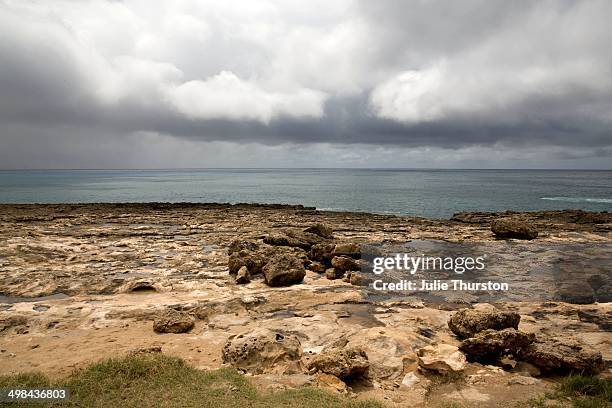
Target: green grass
[[161, 381], [580, 391]]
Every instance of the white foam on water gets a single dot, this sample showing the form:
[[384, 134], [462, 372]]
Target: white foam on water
[[579, 199]]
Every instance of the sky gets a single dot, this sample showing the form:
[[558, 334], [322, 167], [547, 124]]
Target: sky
[[290, 83]]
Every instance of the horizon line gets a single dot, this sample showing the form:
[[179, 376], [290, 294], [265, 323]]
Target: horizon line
[[302, 168]]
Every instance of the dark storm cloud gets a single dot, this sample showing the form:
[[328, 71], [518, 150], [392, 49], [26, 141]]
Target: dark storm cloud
[[416, 74]]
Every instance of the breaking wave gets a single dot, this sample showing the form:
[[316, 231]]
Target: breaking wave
[[579, 199]]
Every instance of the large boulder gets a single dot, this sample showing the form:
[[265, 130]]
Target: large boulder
[[490, 345], [264, 351], [242, 244], [344, 363], [283, 270], [348, 249], [172, 321], [513, 228], [322, 253], [294, 238], [322, 230], [441, 358], [344, 263], [467, 322], [561, 357], [254, 260]]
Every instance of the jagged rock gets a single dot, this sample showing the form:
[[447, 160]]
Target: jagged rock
[[243, 276], [333, 273], [284, 270], [467, 322], [350, 249], [357, 279], [322, 253], [489, 345], [322, 230], [441, 358], [253, 260], [344, 263], [238, 245], [513, 228], [317, 267], [330, 383], [294, 238], [344, 363], [172, 321], [561, 357], [264, 351]]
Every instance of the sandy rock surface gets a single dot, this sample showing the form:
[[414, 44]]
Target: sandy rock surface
[[85, 282]]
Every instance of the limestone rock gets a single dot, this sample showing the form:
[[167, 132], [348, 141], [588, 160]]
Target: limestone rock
[[344, 363], [253, 260], [513, 228], [467, 322], [348, 249], [344, 263], [284, 270], [264, 351], [322, 230], [491, 344], [333, 273], [172, 321], [559, 356], [317, 267], [294, 238], [243, 276], [322, 252], [441, 358], [238, 245]]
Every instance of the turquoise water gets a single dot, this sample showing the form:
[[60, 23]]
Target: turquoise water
[[430, 193]]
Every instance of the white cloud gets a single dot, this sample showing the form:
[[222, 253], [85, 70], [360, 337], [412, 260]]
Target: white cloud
[[227, 96]]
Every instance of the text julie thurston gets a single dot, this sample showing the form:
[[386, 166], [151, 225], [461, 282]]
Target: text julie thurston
[[412, 264]]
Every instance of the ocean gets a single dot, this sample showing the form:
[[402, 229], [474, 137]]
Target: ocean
[[427, 193]]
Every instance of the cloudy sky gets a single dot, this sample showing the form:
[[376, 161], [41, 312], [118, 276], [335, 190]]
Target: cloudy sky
[[293, 83]]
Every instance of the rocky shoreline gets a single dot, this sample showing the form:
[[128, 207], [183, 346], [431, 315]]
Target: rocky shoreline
[[279, 292]]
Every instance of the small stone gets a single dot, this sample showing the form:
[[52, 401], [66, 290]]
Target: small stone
[[173, 321], [442, 358], [410, 380], [333, 273], [243, 276]]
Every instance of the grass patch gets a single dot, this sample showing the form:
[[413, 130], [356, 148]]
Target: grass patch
[[162, 381], [579, 391]]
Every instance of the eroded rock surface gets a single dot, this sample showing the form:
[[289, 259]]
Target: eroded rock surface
[[513, 228], [467, 322], [172, 321], [442, 358], [344, 363], [262, 351], [489, 345], [556, 355]]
